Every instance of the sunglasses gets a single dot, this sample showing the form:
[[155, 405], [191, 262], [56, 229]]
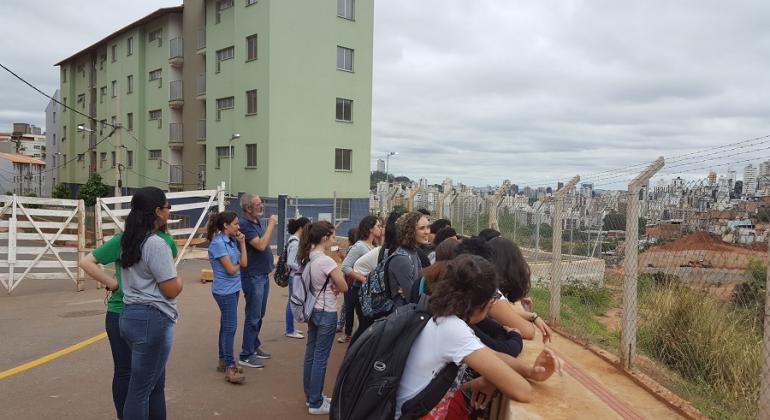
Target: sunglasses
[[167, 206]]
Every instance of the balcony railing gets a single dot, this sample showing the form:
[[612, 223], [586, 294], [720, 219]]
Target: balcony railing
[[201, 39], [175, 94], [175, 134], [175, 175], [202, 130], [201, 91], [176, 51]]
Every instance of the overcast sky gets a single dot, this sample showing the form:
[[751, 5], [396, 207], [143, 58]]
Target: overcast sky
[[484, 90]]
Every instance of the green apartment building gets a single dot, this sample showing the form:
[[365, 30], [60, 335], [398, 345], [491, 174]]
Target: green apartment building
[[286, 83]]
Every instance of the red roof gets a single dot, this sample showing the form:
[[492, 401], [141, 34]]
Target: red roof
[[21, 159]]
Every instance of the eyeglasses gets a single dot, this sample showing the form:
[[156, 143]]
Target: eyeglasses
[[497, 296], [167, 206]]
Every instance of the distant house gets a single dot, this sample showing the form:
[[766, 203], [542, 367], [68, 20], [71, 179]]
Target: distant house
[[21, 174]]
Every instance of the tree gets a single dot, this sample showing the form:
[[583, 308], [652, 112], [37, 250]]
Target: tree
[[377, 176], [93, 189], [62, 191]]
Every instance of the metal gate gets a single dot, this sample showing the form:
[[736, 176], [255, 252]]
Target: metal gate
[[42, 236], [110, 214]]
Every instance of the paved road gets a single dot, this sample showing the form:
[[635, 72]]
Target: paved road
[[43, 317]]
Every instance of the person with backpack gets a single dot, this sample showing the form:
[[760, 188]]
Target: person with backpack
[[397, 370], [227, 254], [322, 280], [295, 229], [369, 234], [405, 265]]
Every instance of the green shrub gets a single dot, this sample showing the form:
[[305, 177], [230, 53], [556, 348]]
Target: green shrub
[[751, 294]]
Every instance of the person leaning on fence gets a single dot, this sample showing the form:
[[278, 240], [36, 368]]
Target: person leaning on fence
[[254, 277], [325, 280], [109, 253], [369, 234], [150, 288], [462, 296], [295, 229], [227, 254], [514, 283]]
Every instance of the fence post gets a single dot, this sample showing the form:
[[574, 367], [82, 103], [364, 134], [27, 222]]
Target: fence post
[[556, 217], [630, 265], [221, 197], [81, 243], [764, 392]]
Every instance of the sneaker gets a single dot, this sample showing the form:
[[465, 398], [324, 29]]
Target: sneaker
[[322, 410], [262, 354], [295, 334], [344, 339], [307, 404], [252, 362], [233, 376], [221, 367]]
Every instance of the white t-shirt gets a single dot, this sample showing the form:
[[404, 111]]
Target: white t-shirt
[[366, 263], [445, 340], [319, 267]]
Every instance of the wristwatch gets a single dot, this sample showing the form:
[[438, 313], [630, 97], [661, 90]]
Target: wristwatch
[[534, 317]]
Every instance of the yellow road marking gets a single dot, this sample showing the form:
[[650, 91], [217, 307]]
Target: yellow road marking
[[52, 356]]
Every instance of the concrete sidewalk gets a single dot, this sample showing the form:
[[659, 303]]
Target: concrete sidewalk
[[44, 317]]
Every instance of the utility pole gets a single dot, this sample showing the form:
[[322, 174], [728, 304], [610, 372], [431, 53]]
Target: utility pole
[[118, 159]]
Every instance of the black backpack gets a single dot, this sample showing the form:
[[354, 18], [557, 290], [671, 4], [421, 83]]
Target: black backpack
[[367, 382], [281, 274]]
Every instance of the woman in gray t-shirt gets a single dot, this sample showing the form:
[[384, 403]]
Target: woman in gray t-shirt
[[150, 288]]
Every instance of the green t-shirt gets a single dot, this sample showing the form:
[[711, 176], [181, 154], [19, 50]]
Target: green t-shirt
[[109, 253]]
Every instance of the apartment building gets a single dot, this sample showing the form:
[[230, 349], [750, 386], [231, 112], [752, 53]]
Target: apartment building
[[52, 137], [273, 94]]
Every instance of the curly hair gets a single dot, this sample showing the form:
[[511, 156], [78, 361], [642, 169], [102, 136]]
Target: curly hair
[[466, 285], [512, 268], [406, 227], [140, 223]]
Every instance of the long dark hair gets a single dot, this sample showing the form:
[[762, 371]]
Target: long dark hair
[[311, 236], [467, 284], [512, 268], [296, 224], [217, 223], [365, 227], [391, 238], [140, 223]]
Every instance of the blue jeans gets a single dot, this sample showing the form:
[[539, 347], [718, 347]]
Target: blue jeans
[[121, 362], [228, 325], [289, 315], [320, 335], [255, 290], [149, 334]]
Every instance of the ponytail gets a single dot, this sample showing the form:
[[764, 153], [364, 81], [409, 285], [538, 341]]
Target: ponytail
[[312, 235]]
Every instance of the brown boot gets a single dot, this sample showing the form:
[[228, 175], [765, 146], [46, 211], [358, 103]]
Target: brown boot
[[221, 367], [233, 376]]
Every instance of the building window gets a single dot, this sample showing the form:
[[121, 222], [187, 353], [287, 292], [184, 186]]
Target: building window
[[102, 94], [342, 209], [346, 8], [130, 83], [54, 117], [251, 102], [81, 156], [64, 74], [344, 58], [102, 159], [113, 158], [82, 100], [65, 157], [114, 120], [344, 110], [157, 115], [224, 54], [130, 121], [155, 75], [251, 47], [224, 104], [251, 155], [250, 2], [64, 102], [114, 54], [130, 158], [156, 35], [130, 45], [103, 123], [54, 139], [342, 159], [224, 4], [114, 88], [64, 134], [223, 152], [102, 59], [154, 155]]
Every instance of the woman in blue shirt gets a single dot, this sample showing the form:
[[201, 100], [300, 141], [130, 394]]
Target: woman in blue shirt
[[227, 254]]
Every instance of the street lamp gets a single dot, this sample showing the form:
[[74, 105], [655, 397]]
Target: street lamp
[[235, 136], [82, 127]]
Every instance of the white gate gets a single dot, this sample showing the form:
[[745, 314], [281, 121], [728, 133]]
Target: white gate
[[42, 236], [110, 215]]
